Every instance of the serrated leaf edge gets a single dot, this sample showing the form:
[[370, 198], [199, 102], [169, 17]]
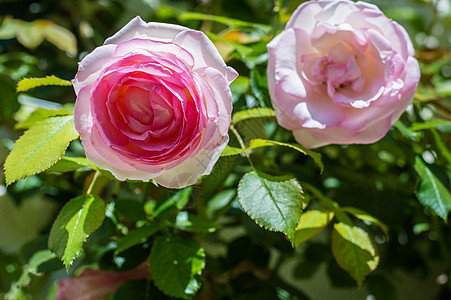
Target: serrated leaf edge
[[8, 182], [42, 81], [264, 226]]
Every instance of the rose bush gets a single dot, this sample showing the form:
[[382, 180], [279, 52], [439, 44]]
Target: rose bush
[[93, 284], [154, 103], [340, 73]]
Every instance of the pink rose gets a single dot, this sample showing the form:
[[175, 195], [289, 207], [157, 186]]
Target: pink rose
[[340, 73], [94, 284], [154, 103]]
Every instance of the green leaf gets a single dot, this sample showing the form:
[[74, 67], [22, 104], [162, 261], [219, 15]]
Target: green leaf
[[32, 266], [135, 237], [40, 114], [310, 224], [314, 155], [29, 83], [239, 87], [70, 164], [179, 200], [354, 251], [229, 151], [258, 143], [39, 148], [432, 193], [273, 203], [174, 264], [195, 223], [76, 221], [362, 215], [220, 201], [129, 210], [261, 112]]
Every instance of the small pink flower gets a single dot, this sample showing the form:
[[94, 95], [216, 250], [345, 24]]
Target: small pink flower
[[154, 103], [340, 73], [94, 284]]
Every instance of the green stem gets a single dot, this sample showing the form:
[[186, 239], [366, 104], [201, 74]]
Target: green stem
[[329, 203], [243, 146], [93, 182]]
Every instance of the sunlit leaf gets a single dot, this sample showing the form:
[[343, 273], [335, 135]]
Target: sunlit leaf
[[29, 35], [311, 223], [262, 112], [29, 83], [431, 192], [273, 203], [258, 143], [362, 215], [58, 36], [354, 251], [39, 148], [8, 28], [75, 222]]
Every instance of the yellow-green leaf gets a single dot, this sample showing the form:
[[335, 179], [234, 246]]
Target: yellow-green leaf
[[310, 224], [258, 143], [362, 215], [59, 36], [39, 148], [253, 113], [29, 83], [354, 251]]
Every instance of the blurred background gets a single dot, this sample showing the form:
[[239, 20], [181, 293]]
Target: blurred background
[[40, 38]]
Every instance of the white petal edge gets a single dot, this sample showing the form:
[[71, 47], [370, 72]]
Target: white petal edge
[[204, 52], [137, 28]]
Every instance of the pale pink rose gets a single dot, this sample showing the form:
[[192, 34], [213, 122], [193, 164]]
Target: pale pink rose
[[340, 73], [154, 103], [94, 284]]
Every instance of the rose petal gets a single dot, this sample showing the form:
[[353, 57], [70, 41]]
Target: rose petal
[[137, 28]]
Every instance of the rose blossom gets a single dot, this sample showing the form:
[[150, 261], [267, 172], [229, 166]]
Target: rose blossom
[[154, 103], [94, 284], [340, 73]]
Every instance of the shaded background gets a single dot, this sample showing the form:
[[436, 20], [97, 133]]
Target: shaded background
[[378, 178]]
